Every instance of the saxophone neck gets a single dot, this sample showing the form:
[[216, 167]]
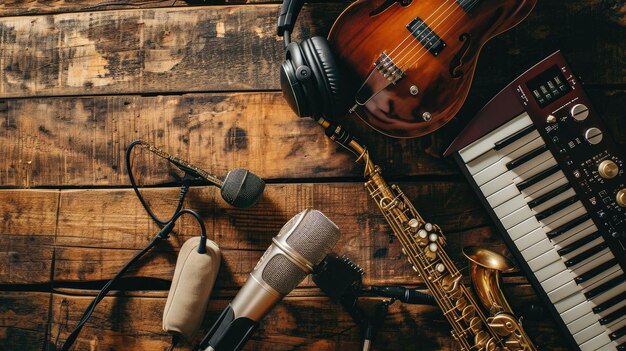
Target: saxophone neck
[[341, 136]]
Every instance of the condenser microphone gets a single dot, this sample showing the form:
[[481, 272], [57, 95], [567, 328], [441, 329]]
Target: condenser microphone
[[241, 188], [300, 245]]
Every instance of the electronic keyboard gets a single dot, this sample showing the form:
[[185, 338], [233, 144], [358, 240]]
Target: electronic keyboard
[[544, 166]]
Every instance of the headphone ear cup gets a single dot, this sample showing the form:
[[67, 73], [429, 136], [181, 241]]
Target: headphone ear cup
[[320, 57], [295, 81]]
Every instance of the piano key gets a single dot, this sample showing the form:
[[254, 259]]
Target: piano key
[[587, 254], [553, 201], [557, 207], [526, 157], [596, 343], [539, 176], [570, 302], [550, 270], [550, 183], [578, 232], [564, 291], [543, 260], [516, 217], [601, 257], [510, 206], [579, 243], [610, 302], [524, 228], [566, 227], [502, 196], [557, 281], [583, 322], [530, 239], [605, 286], [500, 166], [563, 217], [513, 137], [590, 333], [607, 347], [537, 250], [488, 142], [492, 156], [551, 194], [505, 179], [595, 272], [621, 347], [579, 311], [613, 316], [618, 333]]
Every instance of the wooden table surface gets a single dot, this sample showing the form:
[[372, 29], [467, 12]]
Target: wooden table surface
[[82, 78]]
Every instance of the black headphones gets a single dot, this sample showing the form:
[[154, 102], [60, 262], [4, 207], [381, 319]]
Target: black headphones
[[309, 76]]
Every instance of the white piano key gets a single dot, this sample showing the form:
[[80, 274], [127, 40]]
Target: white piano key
[[502, 196], [543, 260], [583, 267], [553, 201], [487, 142], [569, 302], [537, 250], [592, 338], [557, 281], [607, 347], [492, 156], [499, 167], [551, 270], [510, 206], [589, 333], [578, 232], [505, 179], [612, 309], [530, 239], [576, 312], [516, 217], [595, 242], [564, 291], [617, 325], [564, 216], [523, 228], [550, 183], [583, 322], [609, 294]]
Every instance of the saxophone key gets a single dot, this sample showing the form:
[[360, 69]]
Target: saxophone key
[[428, 227], [433, 237], [440, 267]]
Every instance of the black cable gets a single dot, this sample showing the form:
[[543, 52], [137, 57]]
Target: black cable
[[175, 340], [163, 234], [183, 189]]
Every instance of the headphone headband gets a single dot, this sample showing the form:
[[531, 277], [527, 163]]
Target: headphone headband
[[288, 14]]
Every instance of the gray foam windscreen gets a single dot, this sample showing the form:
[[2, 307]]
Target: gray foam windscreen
[[242, 188], [313, 239]]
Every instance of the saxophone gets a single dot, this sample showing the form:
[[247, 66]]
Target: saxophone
[[492, 327]]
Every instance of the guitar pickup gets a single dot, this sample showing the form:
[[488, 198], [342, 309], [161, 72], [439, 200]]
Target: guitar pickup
[[426, 36]]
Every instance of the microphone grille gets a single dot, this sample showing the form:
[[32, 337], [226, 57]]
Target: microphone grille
[[314, 237], [242, 188], [282, 275]]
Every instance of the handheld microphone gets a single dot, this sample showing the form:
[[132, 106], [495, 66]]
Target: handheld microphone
[[241, 188], [300, 245]]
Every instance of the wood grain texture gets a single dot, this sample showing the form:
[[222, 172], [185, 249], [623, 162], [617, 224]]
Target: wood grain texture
[[311, 323], [23, 320], [235, 48]]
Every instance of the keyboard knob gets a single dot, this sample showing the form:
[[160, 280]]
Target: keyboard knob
[[620, 198], [579, 112], [593, 135], [608, 169]]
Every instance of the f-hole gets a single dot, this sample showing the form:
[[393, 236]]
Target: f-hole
[[457, 60]]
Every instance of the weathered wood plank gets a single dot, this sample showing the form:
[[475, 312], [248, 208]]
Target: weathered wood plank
[[25, 259], [28, 212], [81, 141], [23, 320], [312, 323], [187, 49], [101, 229]]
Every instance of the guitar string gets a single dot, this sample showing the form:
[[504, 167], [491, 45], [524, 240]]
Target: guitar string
[[424, 26], [423, 49], [388, 60], [410, 65]]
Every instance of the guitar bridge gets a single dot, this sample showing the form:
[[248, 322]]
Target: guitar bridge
[[385, 65]]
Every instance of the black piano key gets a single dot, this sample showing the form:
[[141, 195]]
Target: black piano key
[[618, 333], [538, 177], [526, 157], [606, 286], [595, 271], [609, 303], [513, 137], [613, 316], [579, 243], [622, 347], [585, 255], [556, 208], [567, 226], [547, 196]]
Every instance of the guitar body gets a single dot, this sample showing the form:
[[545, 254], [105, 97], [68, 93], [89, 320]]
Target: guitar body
[[411, 65]]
